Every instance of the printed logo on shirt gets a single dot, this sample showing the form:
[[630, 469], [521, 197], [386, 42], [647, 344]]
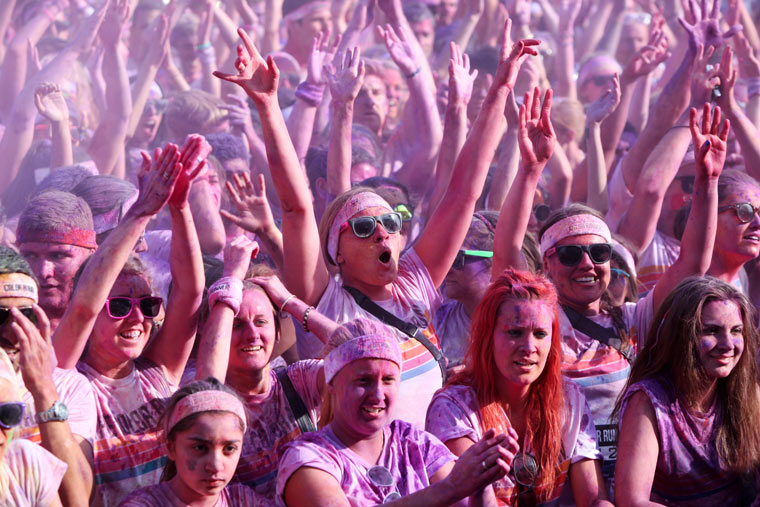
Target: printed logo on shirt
[[606, 437], [140, 420]]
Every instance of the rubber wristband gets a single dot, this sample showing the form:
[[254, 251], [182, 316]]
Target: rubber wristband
[[305, 322], [410, 76], [201, 47], [227, 290]]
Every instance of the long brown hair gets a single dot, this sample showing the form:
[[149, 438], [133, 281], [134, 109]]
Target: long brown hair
[[671, 352], [546, 402]]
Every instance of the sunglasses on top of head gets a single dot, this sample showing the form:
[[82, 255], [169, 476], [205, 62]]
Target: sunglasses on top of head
[[11, 414], [364, 227], [572, 255], [467, 256], [405, 210], [26, 311], [121, 307]]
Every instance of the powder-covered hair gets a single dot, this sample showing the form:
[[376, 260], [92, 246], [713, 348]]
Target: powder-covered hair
[[345, 333], [210, 384], [64, 178], [227, 147], [731, 179], [193, 111], [55, 210], [104, 192], [672, 352], [545, 405]]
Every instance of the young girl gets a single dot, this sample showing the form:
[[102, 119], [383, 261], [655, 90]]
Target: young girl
[[204, 424], [512, 379], [689, 414]]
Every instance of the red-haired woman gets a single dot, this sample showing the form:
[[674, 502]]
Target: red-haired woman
[[512, 378]]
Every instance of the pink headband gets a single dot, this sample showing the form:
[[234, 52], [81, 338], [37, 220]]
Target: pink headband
[[354, 205], [76, 237], [371, 346], [206, 401], [18, 285], [575, 225]]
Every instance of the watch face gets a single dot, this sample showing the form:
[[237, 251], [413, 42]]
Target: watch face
[[60, 411]]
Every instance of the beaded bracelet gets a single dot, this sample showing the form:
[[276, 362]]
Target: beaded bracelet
[[306, 318]]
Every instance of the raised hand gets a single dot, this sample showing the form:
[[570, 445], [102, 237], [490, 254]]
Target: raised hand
[[706, 27], [85, 35], [273, 287], [568, 13], [400, 49], [704, 78], [258, 77], [346, 76], [159, 34], [113, 22], [536, 136], [50, 102], [461, 79], [322, 53], [709, 144], [602, 107], [511, 60], [254, 213], [364, 14], [156, 180], [749, 65], [36, 358], [726, 80], [646, 59], [192, 160], [237, 256]]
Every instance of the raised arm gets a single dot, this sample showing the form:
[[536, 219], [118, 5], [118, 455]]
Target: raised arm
[[172, 345], [568, 13], [709, 139], [597, 168], [536, 139], [345, 78], [107, 145], [50, 103], [749, 69], [440, 241], [207, 51], [305, 271], [106, 263], [509, 157]]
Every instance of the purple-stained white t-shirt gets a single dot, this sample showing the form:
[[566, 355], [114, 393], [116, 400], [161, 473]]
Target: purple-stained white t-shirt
[[452, 324], [455, 413], [128, 451], [74, 391], [414, 299], [273, 425], [411, 455], [161, 495], [29, 475]]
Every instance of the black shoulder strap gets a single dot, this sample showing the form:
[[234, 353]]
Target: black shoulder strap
[[605, 335], [305, 424], [408, 329]]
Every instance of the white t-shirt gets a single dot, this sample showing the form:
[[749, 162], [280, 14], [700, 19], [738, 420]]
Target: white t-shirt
[[29, 475]]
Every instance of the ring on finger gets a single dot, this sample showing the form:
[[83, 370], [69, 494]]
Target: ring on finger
[[484, 465], [166, 175]]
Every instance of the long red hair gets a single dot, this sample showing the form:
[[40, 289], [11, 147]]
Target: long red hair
[[546, 405]]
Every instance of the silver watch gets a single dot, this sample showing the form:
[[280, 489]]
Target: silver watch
[[58, 412]]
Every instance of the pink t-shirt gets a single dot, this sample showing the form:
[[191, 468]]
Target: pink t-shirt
[[272, 425], [414, 299], [128, 451], [161, 495], [455, 413], [411, 455], [74, 391], [29, 475], [602, 371]]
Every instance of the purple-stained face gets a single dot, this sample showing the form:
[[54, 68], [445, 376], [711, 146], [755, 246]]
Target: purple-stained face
[[721, 338], [734, 240], [253, 333], [583, 284]]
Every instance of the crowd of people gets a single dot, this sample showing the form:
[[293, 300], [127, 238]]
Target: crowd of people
[[427, 252]]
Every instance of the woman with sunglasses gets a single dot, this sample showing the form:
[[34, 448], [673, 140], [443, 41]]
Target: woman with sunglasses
[[203, 427], [110, 320], [360, 236], [29, 475], [360, 457], [599, 340], [688, 418], [512, 379]]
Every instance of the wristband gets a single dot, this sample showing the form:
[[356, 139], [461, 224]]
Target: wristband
[[201, 47], [305, 322], [282, 307], [753, 86], [227, 290], [410, 76], [310, 93]]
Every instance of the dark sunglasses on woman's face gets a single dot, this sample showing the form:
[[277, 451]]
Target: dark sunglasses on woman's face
[[364, 227], [572, 255], [121, 307], [745, 211], [466, 256], [26, 311], [11, 414]]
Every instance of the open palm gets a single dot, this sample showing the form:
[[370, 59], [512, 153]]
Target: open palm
[[709, 141], [536, 137]]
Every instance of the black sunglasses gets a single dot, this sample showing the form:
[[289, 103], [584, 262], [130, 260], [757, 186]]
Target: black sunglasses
[[745, 211], [364, 227], [121, 307], [466, 256], [11, 414], [572, 255], [687, 184], [26, 311]]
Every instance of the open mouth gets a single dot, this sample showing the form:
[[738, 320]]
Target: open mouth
[[586, 280], [373, 410], [385, 257]]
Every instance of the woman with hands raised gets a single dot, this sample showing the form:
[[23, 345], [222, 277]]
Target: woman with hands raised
[[368, 256], [110, 320]]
